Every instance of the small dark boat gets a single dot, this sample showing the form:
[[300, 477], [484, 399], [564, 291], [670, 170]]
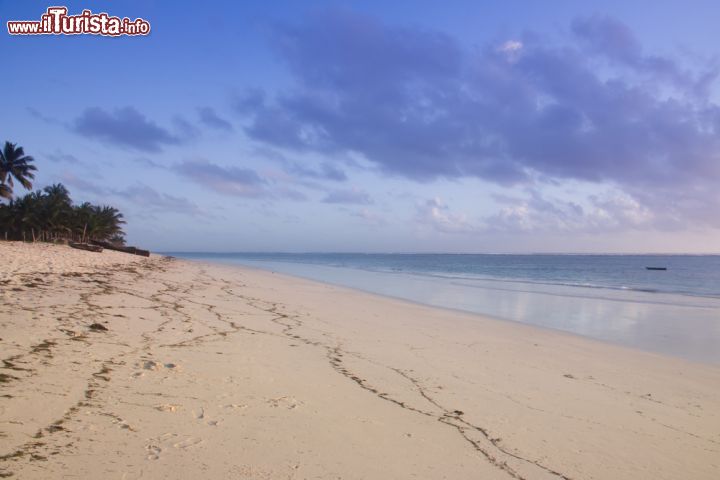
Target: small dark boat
[[86, 246], [655, 268], [121, 248]]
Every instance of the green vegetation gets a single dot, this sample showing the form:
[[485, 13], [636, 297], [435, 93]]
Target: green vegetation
[[49, 214], [15, 166]]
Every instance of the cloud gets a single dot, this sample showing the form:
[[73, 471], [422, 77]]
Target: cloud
[[140, 195], [607, 37], [534, 212], [184, 129], [151, 199], [511, 46], [290, 194], [249, 100], [415, 103], [62, 157], [83, 185], [42, 117], [325, 171], [370, 217], [511, 49], [352, 196], [437, 214], [125, 127], [227, 180], [211, 119], [147, 162], [302, 168], [610, 211]]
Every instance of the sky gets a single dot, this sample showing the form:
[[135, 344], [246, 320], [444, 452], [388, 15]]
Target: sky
[[374, 126]]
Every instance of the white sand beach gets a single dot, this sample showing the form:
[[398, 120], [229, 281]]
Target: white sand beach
[[117, 366]]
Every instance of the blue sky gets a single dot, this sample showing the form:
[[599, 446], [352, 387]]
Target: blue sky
[[514, 126]]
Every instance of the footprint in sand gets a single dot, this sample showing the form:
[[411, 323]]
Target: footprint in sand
[[153, 452], [154, 366], [120, 422], [200, 415], [286, 401], [154, 448], [126, 426], [151, 365], [167, 407], [187, 443]]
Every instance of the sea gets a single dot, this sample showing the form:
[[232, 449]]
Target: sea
[[612, 298]]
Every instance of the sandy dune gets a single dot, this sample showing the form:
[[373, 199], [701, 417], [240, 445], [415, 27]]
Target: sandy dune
[[117, 366]]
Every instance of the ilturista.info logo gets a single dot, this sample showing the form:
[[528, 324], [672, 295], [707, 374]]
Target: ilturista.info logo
[[56, 21]]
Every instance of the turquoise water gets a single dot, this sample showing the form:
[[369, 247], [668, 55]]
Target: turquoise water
[[612, 298]]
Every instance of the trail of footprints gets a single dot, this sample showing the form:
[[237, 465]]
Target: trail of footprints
[[168, 301], [514, 465], [70, 318]]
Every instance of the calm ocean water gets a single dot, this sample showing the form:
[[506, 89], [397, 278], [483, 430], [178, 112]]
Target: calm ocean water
[[613, 298]]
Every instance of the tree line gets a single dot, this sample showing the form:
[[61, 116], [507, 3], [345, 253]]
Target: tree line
[[49, 214]]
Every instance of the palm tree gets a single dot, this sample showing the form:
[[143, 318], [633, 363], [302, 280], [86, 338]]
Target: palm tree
[[49, 215], [56, 210], [18, 218], [14, 164], [104, 222], [82, 217], [5, 191]]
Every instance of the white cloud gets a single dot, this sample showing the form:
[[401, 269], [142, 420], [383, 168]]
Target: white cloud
[[611, 210], [511, 50], [511, 46], [435, 213]]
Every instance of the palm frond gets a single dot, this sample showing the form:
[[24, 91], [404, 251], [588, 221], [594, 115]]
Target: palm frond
[[5, 191]]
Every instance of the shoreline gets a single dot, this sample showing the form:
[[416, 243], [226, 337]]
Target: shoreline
[[658, 316], [468, 317], [219, 370]]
